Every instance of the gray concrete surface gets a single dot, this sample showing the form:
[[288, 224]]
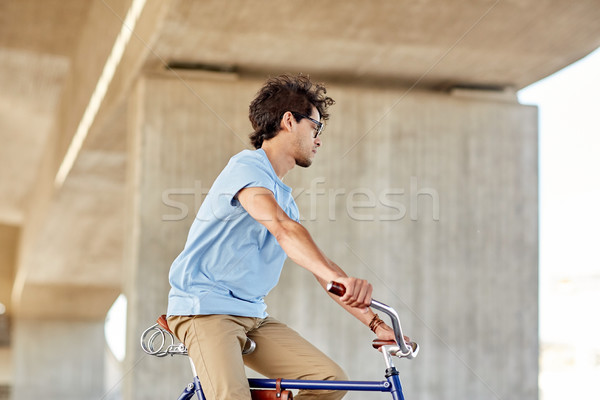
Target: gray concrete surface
[[58, 359]]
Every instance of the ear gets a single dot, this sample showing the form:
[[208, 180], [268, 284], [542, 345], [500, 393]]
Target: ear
[[287, 121]]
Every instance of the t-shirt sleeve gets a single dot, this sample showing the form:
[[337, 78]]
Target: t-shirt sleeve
[[240, 173], [246, 174]]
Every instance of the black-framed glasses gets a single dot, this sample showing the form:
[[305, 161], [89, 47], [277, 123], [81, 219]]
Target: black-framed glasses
[[318, 124]]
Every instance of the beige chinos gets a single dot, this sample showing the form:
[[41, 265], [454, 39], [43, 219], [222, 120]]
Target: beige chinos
[[215, 343]]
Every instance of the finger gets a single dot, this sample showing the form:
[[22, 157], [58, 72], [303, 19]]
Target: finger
[[368, 297], [356, 299], [363, 298], [361, 292], [354, 296], [349, 284]]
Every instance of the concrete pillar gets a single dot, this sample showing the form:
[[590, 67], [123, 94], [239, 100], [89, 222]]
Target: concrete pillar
[[58, 359], [431, 197], [434, 199], [9, 239], [178, 144]]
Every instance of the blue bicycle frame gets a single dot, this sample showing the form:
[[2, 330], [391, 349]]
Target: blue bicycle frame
[[391, 385]]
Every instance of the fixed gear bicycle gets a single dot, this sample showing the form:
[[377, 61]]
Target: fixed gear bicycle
[[159, 341]]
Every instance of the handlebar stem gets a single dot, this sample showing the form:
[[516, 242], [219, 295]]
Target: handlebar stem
[[405, 351]]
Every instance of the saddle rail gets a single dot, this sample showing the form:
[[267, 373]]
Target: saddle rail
[[159, 341]]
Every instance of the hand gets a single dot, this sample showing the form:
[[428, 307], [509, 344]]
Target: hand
[[384, 332], [358, 292]]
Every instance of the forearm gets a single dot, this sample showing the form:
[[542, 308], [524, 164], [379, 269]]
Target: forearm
[[297, 243]]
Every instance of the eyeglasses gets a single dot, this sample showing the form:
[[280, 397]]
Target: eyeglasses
[[319, 125]]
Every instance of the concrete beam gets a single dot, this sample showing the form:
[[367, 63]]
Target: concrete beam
[[429, 44], [69, 234], [104, 70], [66, 302]]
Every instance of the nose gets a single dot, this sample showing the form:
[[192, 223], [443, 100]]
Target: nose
[[318, 141]]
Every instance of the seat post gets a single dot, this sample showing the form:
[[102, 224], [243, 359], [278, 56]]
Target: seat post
[[193, 366]]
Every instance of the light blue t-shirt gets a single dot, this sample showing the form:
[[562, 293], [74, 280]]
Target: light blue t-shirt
[[230, 261]]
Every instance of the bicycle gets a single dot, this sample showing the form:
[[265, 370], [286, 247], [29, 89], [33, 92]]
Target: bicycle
[[154, 342]]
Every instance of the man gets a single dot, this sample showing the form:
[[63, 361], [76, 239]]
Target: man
[[244, 230]]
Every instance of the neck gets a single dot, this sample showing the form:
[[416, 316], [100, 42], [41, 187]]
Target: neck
[[281, 160]]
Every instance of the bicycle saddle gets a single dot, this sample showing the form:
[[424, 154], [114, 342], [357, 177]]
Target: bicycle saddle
[[162, 321]]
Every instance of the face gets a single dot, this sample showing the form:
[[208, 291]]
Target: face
[[305, 144]]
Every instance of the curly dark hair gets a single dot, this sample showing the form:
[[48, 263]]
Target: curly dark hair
[[279, 95]]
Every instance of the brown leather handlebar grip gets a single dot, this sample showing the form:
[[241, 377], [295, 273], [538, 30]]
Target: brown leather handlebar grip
[[336, 288], [377, 343]]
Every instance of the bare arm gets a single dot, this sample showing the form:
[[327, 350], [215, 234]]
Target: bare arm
[[297, 243]]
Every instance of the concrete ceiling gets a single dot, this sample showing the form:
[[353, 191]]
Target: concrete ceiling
[[53, 51], [432, 42]]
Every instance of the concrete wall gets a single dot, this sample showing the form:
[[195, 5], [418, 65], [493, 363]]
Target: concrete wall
[[58, 359], [431, 197]]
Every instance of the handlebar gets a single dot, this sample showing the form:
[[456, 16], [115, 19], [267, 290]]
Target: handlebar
[[408, 350]]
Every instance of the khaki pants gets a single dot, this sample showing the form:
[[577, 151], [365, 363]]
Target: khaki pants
[[215, 343]]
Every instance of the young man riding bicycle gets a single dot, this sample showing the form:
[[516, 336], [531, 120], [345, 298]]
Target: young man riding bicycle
[[245, 229]]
